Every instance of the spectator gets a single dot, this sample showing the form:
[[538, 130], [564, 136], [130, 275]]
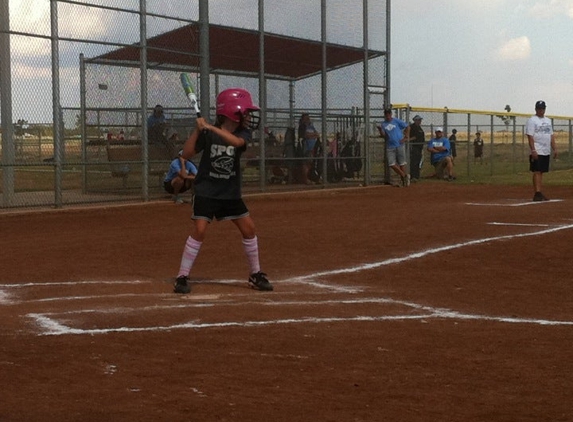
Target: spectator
[[452, 140], [441, 158], [478, 148], [308, 137], [156, 126], [417, 142], [392, 129], [539, 131], [218, 182], [110, 136], [179, 177]]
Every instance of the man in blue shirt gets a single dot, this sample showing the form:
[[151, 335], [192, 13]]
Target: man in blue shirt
[[441, 157], [396, 132], [179, 177]]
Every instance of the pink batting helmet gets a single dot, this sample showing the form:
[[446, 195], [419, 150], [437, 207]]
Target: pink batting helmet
[[236, 103]]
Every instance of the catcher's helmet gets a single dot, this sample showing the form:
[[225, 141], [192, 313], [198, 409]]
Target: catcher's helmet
[[236, 103]]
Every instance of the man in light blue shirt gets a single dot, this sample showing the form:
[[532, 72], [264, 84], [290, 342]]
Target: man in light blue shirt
[[396, 132], [179, 177], [441, 156]]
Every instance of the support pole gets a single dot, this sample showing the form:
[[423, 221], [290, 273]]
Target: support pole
[[143, 88], [8, 151], [57, 117]]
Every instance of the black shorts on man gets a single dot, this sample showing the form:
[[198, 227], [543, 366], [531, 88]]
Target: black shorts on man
[[541, 164]]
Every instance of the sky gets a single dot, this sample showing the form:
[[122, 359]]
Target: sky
[[484, 54], [460, 54]]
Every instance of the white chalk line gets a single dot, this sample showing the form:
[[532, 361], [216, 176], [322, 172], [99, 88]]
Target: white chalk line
[[518, 204], [309, 278], [7, 299], [496, 223], [416, 255], [52, 327], [249, 303], [72, 283], [55, 328]]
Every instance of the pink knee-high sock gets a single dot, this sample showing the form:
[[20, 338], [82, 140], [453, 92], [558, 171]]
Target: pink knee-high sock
[[190, 252], [251, 247]]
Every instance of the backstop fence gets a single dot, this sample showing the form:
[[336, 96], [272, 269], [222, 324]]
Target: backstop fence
[[79, 78]]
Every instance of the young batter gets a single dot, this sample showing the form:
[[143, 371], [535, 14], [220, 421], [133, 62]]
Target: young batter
[[218, 181]]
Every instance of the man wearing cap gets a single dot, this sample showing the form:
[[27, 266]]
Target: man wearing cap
[[441, 158], [417, 142], [392, 129], [539, 131]]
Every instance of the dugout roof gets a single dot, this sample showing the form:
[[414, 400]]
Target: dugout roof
[[236, 51]]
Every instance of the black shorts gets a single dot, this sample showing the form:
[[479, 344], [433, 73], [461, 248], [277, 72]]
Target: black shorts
[[169, 187], [221, 209], [539, 165]]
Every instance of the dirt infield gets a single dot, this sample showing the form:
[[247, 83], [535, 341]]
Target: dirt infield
[[437, 302]]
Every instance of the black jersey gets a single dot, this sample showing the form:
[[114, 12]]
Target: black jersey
[[219, 173]]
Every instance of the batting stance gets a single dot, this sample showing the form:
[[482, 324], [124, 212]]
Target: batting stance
[[218, 181]]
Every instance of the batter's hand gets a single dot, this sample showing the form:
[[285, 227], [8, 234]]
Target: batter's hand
[[202, 124]]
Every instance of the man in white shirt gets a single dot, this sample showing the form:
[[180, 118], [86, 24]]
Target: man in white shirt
[[539, 131]]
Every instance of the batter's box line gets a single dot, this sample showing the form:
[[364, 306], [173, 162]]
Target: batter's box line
[[54, 328], [248, 303], [517, 204], [7, 298], [72, 283], [308, 280]]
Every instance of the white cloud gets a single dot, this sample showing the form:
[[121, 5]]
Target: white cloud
[[545, 9], [33, 16], [24, 71], [515, 49]]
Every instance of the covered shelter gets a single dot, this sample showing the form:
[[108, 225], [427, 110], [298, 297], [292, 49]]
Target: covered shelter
[[213, 51], [284, 57]]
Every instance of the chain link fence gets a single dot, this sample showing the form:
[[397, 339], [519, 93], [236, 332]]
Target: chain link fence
[[78, 80], [504, 148]]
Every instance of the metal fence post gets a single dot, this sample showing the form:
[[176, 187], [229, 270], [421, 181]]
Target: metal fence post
[[469, 144], [56, 112], [8, 151], [143, 84]]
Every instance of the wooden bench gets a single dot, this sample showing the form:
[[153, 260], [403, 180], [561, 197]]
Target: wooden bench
[[125, 159]]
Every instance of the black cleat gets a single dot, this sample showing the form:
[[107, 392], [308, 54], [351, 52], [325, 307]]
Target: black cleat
[[259, 281], [538, 197], [182, 285]]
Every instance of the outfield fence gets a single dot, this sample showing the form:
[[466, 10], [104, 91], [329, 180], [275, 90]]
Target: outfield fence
[[506, 148], [87, 172]]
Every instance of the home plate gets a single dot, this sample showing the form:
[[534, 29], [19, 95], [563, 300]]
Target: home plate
[[201, 297]]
